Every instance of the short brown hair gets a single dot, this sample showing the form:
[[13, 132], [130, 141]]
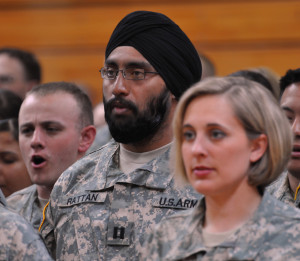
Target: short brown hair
[[84, 103]]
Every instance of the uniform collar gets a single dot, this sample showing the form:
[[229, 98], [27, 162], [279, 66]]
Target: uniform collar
[[154, 174]]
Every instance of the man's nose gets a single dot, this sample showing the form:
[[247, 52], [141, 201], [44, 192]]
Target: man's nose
[[37, 140], [120, 85], [296, 126]]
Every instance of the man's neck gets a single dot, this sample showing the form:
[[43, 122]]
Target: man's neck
[[43, 191], [294, 183], [130, 161], [145, 147]]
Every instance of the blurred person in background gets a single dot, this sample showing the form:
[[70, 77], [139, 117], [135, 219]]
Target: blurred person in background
[[272, 77], [257, 77], [262, 75], [286, 188], [13, 172], [19, 70], [208, 66], [103, 135]]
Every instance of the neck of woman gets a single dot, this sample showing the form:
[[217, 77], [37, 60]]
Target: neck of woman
[[228, 211]]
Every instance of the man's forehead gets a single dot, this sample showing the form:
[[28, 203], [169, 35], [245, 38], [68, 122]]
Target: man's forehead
[[291, 92], [6, 59], [292, 88], [51, 102], [126, 55], [58, 94]]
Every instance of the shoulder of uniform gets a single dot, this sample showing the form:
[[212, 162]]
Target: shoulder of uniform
[[279, 183], [82, 172], [280, 210], [24, 191]]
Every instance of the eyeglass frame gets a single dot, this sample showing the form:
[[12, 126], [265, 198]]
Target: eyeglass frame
[[124, 73]]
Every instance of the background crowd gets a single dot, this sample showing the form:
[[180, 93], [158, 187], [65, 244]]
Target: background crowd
[[176, 163]]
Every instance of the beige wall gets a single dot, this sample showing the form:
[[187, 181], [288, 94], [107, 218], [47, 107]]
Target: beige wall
[[69, 36]]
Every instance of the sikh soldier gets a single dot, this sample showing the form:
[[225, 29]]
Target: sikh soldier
[[102, 207], [18, 240]]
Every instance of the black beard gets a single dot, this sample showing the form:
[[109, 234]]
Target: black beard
[[140, 125]]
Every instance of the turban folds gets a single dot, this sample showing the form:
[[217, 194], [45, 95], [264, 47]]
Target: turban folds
[[163, 44]]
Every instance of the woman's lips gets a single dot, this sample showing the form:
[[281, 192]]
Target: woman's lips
[[201, 171]]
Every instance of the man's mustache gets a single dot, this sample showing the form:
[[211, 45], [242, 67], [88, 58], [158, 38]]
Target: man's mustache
[[119, 102]]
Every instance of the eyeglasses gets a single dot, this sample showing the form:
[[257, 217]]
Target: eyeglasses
[[128, 73]]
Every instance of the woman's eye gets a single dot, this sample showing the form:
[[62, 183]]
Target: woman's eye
[[188, 135], [217, 134]]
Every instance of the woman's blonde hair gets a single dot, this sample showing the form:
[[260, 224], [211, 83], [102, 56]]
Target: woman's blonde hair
[[257, 110]]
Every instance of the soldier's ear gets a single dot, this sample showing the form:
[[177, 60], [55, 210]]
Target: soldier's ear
[[173, 97], [258, 147], [87, 137]]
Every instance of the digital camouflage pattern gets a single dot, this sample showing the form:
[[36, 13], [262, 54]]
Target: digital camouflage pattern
[[281, 190], [96, 212], [271, 234], [2, 198], [26, 203], [18, 240]]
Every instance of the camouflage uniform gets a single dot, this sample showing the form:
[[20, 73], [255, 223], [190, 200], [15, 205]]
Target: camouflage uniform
[[96, 212], [281, 190], [271, 234], [27, 204], [18, 240], [2, 198]]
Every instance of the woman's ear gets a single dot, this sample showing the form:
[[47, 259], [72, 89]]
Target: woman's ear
[[88, 135], [258, 147]]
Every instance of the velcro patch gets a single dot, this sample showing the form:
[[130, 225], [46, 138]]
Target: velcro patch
[[170, 201], [88, 197]]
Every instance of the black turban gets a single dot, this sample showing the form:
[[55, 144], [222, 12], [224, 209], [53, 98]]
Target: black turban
[[163, 44]]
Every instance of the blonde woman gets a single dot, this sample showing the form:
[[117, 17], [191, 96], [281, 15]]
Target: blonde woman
[[231, 141]]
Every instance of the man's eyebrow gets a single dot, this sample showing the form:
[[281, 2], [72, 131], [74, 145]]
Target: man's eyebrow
[[50, 122], [43, 123], [110, 63], [26, 124], [129, 64], [139, 64]]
